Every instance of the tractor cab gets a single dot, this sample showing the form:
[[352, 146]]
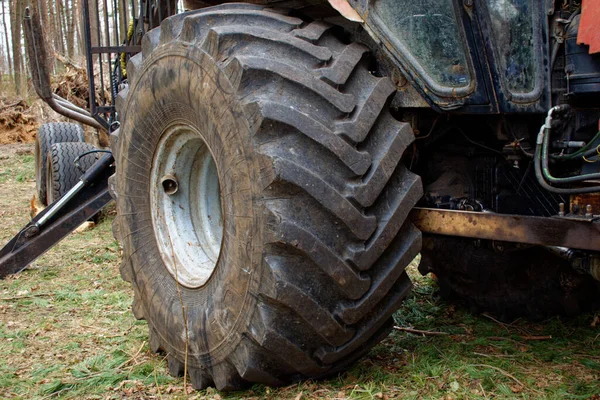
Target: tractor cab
[[461, 56]]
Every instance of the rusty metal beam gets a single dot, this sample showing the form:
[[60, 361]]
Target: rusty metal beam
[[545, 231]]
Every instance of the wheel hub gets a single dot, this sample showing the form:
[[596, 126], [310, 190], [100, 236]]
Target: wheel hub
[[186, 206]]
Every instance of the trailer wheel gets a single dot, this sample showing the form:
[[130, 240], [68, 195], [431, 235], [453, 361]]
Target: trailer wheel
[[47, 135], [508, 281], [62, 174], [261, 197]]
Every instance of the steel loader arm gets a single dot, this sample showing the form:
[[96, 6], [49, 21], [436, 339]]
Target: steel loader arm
[[83, 201]]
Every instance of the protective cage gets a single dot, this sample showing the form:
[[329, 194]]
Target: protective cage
[[113, 32]]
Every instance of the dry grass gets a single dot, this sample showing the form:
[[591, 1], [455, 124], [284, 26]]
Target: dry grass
[[67, 331]]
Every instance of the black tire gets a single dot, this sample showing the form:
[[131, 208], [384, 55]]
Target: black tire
[[47, 135], [507, 280], [309, 159], [62, 174]]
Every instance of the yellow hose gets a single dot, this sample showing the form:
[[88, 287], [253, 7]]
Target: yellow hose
[[124, 55]]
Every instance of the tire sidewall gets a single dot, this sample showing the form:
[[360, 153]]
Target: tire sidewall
[[182, 84], [40, 168], [61, 172], [47, 135], [51, 190]]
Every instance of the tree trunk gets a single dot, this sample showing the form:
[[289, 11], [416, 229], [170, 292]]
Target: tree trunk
[[70, 14], [60, 27], [41, 6], [23, 47], [15, 12], [94, 27], [78, 14], [64, 24], [52, 26], [8, 51], [122, 10], [40, 10]]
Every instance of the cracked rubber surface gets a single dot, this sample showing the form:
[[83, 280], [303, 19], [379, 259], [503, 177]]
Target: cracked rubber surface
[[314, 193]]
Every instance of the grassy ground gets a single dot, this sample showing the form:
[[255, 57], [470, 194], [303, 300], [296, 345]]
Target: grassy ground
[[67, 331]]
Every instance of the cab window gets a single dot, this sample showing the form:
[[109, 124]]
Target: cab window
[[430, 32], [512, 29]]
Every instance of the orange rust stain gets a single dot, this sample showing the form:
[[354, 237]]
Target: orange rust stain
[[583, 200]]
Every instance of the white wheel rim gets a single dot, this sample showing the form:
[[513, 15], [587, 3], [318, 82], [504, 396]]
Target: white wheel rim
[[186, 206]]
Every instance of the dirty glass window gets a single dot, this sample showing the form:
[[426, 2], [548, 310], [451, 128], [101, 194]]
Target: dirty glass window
[[429, 30], [512, 27]]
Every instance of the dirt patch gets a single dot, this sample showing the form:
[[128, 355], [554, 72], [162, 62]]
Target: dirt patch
[[17, 122], [20, 149]]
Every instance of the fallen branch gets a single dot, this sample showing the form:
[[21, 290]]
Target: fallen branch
[[132, 358], [526, 338], [420, 332], [495, 355], [548, 337], [20, 102], [587, 356], [503, 372], [502, 324], [125, 333], [508, 326], [57, 393], [501, 338], [27, 296]]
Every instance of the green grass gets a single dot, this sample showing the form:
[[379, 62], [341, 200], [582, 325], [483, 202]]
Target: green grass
[[67, 331], [20, 172]]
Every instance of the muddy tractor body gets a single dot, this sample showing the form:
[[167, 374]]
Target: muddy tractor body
[[277, 164]]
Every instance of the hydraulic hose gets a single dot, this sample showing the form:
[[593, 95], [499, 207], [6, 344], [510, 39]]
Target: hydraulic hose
[[545, 185], [585, 151], [542, 171], [546, 128]]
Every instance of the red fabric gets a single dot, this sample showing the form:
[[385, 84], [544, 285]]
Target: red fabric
[[589, 25]]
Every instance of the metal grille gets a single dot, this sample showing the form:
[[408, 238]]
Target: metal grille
[[113, 31]]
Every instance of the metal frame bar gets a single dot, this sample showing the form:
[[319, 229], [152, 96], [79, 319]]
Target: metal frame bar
[[115, 49], [59, 219], [102, 110], [544, 231]]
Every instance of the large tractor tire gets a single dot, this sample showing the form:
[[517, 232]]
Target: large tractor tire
[[261, 197], [62, 173], [47, 135], [507, 280]]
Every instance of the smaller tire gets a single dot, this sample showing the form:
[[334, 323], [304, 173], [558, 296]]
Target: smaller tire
[[47, 135], [62, 174]]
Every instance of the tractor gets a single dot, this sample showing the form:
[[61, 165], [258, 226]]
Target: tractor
[[276, 165]]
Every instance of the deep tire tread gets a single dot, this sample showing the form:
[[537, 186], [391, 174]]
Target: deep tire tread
[[358, 161], [340, 70], [47, 135], [64, 174], [313, 31], [314, 313], [329, 103]]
